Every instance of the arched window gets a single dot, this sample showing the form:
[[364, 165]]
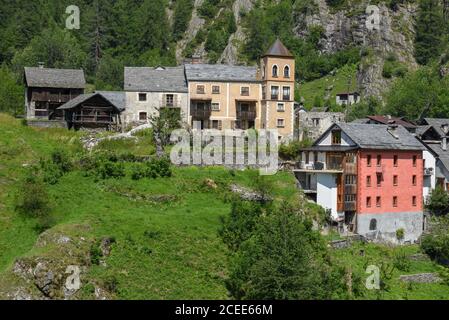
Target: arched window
[[287, 72], [373, 225], [275, 71]]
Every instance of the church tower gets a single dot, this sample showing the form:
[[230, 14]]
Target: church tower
[[278, 89]]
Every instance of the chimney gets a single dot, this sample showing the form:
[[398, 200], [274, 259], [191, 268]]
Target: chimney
[[445, 128], [392, 129], [41, 65], [196, 59]]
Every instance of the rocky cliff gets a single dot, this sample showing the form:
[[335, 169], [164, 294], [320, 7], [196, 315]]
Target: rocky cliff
[[381, 31]]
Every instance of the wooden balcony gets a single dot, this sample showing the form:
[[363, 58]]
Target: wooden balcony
[[350, 189], [350, 205], [246, 115], [201, 114]]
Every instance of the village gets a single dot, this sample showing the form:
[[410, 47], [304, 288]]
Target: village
[[373, 176]]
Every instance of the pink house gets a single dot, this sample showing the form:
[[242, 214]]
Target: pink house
[[369, 178]]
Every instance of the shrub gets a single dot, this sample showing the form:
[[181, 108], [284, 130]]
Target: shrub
[[401, 261], [156, 167], [436, 243], [400, 233], [438, 202], [109, 169]]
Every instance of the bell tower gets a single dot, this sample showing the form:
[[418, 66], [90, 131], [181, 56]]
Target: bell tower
[[278, 89]]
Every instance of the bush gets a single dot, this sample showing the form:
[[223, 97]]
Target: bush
[[292, 151], [436, 243], [240, 223], [285, 259], [400, 234], [401, 261], [438, 202], [156, 167], [32, 201], [109, 169]]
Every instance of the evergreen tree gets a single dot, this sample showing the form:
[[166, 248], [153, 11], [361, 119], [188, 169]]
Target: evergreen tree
[[429, 31]]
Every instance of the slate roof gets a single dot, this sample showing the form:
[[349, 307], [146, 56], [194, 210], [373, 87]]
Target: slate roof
[[395, 120], [220, 72], [54, 78], [442, 155], [278, 50], [116, 98], [169, 79], [376, 136], [436, 123]]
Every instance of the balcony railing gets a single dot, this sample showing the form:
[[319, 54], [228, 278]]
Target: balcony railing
[[245, 115], [320, 166], [201, 114], [350, 205]]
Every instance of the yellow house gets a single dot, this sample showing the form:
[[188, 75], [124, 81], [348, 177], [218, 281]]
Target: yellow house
[[239, 97]]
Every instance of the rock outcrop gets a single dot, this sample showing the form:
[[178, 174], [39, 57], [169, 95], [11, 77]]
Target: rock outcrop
[[357, 26]]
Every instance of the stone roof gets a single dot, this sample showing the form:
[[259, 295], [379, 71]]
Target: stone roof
[[436, 123], [442, 155], [377, 136], [54, 78], [395, 120], [116, 98], [160, 79], [278, 50], [220, 72]]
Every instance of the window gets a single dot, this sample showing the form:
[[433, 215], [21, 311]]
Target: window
[[378, 179], [395, 201], [286, 93], [200, 89], [281, 107], [244, 91], [368, 181], [143, 116], [316, 122], [307, 157], [287, 72], [142, 97], [395, 161], [368, 160], [216, 124], [315, 156], [395, 180], [169, 100], [373, 225], [349, 197], [414, 180], [350, 179], [281, 123], [336, 137], [379, 160], [264, 92], [378, 202], [414, 161], [350, 158], [215, 106], [368, 202], [274, 93], [414, 201], [275, 71], [215, 89]]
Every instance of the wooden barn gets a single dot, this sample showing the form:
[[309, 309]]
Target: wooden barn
[[47, 89], [99, 110]]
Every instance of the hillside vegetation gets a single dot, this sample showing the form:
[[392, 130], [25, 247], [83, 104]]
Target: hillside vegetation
[[146, 238]]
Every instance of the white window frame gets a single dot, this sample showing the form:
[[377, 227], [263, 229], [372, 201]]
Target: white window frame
[[142, 111], [138, 97], [272, 69], [241, 91], [212, 106], [283, 123], [289, 71], [280, 109]]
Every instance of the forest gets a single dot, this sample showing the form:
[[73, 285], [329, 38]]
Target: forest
[[118, 33]]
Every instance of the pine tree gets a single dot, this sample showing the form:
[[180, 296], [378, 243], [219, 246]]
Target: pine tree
[[429, 31]]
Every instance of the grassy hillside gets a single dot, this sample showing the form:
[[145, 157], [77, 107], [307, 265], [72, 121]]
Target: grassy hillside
[[165, 249], [335, 83], [164, 230]]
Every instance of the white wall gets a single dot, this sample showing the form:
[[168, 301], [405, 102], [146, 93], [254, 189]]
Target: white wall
[[429, 181], [154, 100], [345, 140], [327, 192]]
